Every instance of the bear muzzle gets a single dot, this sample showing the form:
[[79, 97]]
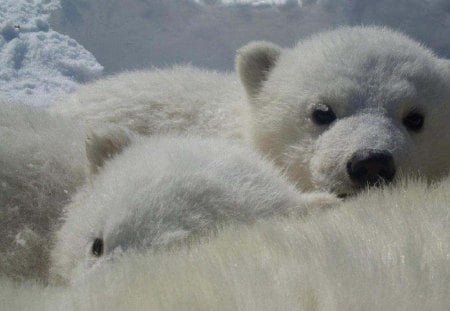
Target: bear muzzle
[[371, 167]]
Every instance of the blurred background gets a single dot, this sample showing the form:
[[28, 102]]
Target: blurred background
[[82, 40]]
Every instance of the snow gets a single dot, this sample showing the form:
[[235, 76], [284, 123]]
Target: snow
[[136, 34], [252, 2], [60, 44], [38, 64]]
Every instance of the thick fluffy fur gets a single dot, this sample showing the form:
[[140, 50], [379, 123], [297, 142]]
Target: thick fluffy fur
[[178, 100], [42, 162], [163, 190], [371, 78], [386, 250]]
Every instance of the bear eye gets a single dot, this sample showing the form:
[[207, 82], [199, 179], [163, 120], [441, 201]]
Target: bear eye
[[323, 115], [413, 121], [97, 247]]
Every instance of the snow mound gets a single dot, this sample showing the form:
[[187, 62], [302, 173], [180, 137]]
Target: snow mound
[[38, 64]]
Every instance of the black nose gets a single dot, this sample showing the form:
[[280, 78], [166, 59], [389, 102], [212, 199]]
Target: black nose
[[371, 167]]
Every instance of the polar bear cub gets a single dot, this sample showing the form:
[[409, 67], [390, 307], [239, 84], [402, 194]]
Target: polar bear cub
[[385, 250], [339, 111], [163, 190]]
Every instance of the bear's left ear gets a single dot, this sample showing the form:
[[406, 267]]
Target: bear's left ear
[[254, 62], [104, 143]]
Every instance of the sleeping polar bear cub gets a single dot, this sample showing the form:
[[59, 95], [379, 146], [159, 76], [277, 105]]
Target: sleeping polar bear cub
[[387, 249], [342, 110], [163, 190]]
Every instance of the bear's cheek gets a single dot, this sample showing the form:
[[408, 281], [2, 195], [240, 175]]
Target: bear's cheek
[[432, 144], [288, 148], [279, 125]]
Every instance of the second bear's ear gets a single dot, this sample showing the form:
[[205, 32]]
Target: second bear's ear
[[103, 144], [253, 63]]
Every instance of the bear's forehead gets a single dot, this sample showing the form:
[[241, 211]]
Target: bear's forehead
[[363, 41], [386, 69], [365, 61]]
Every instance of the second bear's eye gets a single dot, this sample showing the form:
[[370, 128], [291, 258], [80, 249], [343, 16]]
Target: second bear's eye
[[413, 121], [97, 247], [323, 115]]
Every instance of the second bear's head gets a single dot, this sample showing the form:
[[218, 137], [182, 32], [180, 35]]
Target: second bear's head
[[151, 193], [349, 108]]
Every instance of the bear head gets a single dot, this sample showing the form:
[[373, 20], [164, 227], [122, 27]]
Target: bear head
[[349, 108], [149, 193]]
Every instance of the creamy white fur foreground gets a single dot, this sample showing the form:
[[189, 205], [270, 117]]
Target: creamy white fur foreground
[[370, 79], [42, 162], [387, 250], [165, 190]]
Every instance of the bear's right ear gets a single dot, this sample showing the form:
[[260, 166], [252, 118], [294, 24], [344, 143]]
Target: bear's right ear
[[253, 63], [104, 143]]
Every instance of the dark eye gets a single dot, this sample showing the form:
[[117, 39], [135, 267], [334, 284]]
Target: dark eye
[[413, 121], [97, 247], [323, 115]]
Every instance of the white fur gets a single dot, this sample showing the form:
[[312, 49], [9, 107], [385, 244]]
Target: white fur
[[370, 77], [42, 162], [164, 190], [152, 102], [386, 250]]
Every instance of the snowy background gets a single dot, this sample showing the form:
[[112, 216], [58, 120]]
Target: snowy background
[[49, 47]]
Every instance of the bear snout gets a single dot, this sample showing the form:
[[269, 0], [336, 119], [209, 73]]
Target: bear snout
[[371, 167]]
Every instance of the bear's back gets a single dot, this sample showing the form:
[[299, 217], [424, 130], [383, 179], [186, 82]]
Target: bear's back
[[176, 100]]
